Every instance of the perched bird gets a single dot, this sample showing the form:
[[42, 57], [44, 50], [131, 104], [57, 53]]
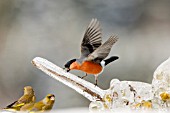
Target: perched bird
[[43, 105], [27, 98], [93, 52]]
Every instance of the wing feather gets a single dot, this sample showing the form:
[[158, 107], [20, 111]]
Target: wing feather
[[92, 38], [103, 51]]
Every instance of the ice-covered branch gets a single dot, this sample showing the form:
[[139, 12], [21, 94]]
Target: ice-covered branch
[[130, 94], [83, 87]]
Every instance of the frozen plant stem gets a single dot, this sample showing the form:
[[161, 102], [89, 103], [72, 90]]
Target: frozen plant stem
[[87, 89]]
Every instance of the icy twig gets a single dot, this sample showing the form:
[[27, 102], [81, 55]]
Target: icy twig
[[87, 89]]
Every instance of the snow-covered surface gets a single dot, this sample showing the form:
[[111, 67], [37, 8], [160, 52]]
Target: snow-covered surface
[[129, 95], [161, 77], [85, 110]]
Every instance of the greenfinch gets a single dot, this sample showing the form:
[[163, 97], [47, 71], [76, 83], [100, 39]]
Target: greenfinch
[[27, 98], [44, 105]]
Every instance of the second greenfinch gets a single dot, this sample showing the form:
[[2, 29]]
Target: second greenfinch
[[44, 105]]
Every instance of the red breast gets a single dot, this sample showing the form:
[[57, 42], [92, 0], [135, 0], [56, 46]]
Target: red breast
[[87, 66]]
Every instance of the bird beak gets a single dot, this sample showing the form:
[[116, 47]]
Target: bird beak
[[52, 98], [66, 69]]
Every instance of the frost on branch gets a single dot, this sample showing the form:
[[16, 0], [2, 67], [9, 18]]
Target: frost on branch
[[121, 94], [83, 87]]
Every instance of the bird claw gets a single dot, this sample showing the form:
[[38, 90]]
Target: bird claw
[[82, 77], [95, 84], [79, 76]]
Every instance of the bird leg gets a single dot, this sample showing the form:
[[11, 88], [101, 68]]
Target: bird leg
[[96, 76], [83, 76]]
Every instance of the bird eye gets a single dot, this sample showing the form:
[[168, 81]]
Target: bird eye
[[49, 97]]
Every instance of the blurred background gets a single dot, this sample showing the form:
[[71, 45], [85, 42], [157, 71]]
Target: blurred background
[[53, 29]]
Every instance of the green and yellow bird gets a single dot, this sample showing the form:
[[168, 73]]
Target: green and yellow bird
[[27, 98], [44, 105]]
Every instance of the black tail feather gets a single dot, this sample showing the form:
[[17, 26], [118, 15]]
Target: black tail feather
[[111, 59], [11, 105]]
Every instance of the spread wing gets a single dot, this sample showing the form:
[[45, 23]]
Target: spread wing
[[102, 52], [92, 38]]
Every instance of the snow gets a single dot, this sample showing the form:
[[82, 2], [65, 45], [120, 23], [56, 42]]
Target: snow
[[124, 95]]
